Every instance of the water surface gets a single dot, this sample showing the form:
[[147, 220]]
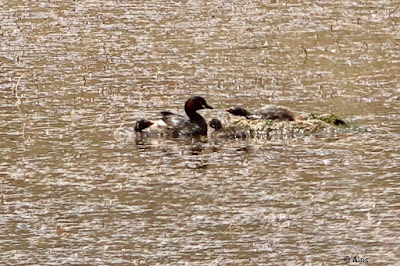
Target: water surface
[[72, 72]]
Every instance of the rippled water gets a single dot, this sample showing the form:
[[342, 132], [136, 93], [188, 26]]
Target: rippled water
[[72, 72]]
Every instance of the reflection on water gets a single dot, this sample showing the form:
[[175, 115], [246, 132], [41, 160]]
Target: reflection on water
[[73, 72]]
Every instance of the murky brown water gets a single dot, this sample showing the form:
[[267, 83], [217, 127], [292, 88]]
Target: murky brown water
[[73, 71]]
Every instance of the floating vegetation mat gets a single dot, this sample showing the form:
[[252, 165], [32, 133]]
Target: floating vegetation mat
[[241, 127]]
